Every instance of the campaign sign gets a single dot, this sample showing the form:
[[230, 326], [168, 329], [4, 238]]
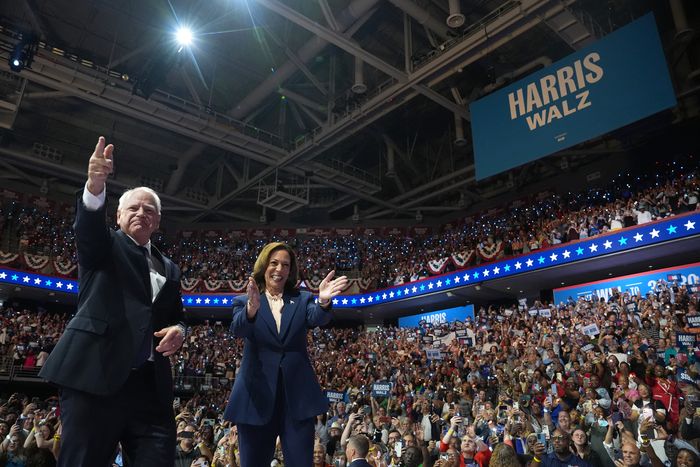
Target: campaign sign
[[468, 341], [545, 312], [433, 354], [448, 315], [591, 330], [684, 377], [615, 81], [533, 312], [427, 339], [381, 389], [641, 283], [685, 340], [587, 347], [693, 321], [335, 396]]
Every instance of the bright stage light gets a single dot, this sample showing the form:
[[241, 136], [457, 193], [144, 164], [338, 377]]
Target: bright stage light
[[184, 36]]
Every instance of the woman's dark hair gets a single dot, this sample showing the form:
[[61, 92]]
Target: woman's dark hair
[[696, 459], [264, 260]]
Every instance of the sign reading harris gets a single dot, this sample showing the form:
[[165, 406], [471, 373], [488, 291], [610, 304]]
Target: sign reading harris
[[693, 321], [335, 396], [381, 389], [643, 283], [438, 317], [617, 80], [685, 340]]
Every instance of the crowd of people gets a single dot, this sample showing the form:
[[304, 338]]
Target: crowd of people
[[385, 260], [509, 388]]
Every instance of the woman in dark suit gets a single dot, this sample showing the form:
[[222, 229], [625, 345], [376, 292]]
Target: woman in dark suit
[[276, 392]]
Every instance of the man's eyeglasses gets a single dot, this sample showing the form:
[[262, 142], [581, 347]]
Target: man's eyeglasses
[[559, 438]]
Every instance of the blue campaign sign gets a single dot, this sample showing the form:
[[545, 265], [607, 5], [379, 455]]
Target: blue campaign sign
[[693, 321], [381, 389], [643, 283], [613, 82], [448, 315], [335, 396], [685, 340]]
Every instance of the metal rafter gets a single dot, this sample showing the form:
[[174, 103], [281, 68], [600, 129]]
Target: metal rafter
[[504, 28], [354, 49], [115, 186]]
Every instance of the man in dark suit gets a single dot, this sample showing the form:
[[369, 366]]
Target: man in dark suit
[[356, 451], [115, 378], [276, 392]]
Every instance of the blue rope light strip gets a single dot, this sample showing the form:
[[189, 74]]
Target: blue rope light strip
[[673, 228], [39, 281], [615, 242]]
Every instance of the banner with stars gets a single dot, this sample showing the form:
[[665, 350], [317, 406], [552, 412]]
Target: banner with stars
[[620, 241], [39, 281], [625, 240]]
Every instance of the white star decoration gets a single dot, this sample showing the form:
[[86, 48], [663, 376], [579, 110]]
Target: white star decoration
[[457, 279]]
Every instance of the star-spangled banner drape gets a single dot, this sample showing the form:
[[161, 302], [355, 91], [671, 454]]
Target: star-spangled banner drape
[[620, 241]]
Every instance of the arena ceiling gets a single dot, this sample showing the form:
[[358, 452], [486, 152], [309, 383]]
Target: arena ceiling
[[268, 108]]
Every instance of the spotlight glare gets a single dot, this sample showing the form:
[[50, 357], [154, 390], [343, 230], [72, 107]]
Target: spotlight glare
[[184, 36]]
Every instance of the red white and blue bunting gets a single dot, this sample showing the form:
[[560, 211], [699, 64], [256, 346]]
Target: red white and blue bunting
[[619, 241]]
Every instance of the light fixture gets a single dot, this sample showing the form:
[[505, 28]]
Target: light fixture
[[184, 36], [23, 53]]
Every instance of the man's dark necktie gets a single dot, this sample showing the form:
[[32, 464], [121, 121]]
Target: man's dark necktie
[[146, 348]]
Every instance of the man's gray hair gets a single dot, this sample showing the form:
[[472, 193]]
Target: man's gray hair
[[128, 193], [361, 445]]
